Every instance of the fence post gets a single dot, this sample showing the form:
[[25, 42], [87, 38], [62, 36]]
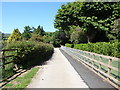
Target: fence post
[[109, 69], [99, 66], [93, 55], [16, 66], [3, 63]]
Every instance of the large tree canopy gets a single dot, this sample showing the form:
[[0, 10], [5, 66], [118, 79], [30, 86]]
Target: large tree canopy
[[91, 17]]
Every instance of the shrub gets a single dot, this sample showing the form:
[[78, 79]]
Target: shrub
[[36, 37], [30, 53], [69, 45], [105, 48]]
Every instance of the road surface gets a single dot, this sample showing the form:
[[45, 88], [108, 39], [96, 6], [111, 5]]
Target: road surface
[[57, 73], [62, 71], [90, 78]]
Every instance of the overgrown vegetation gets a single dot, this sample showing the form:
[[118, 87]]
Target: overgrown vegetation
[[105, 48]]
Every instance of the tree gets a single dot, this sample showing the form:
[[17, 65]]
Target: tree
[[61, 37], [39, 31], [48, 37], [27, 32], [92, 17], [78, 36], [115, 32], [15, 36]]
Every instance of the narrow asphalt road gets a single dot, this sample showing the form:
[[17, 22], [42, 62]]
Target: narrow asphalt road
[[57, 73], [90, 78]]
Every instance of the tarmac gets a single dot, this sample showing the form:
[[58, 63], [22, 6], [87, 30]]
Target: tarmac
[[57, 73]]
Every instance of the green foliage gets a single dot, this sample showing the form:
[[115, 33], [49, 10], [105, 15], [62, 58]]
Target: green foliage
[[32, 33], [61, 37], [93, 18], [56, 43], [30, 53], [36, 37], [78, 37], [69, 45], [105, 48], [48, 37], [15, 36], [39, 31], [116, 29], [27, 33]]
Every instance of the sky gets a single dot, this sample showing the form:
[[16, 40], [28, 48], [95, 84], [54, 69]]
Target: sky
[[20, 14]]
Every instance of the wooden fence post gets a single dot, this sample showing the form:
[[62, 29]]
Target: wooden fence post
[[109, 69], [16, 66], [93, 61], [3, 63], [99, 66]]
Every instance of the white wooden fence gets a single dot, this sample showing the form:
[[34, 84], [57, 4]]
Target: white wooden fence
[[105, 66]]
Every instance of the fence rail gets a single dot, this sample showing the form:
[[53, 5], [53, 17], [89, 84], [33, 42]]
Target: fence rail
[[4, 62], [105, 66]]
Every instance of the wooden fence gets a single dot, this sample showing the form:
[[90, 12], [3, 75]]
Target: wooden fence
[[105, 66], [4, 61]]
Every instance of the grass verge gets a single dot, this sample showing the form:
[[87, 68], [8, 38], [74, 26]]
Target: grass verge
[[22, 82]]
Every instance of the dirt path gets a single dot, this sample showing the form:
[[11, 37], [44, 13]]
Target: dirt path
[[58, 73]]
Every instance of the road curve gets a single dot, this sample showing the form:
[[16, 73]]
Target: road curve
[[57, 73]]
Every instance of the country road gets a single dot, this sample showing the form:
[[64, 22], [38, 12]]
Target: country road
[[58, 73], [62, 71]]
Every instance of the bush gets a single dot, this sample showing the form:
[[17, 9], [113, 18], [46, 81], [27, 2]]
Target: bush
[[36, 37], [105, 48], [30, 53], [69, 45]]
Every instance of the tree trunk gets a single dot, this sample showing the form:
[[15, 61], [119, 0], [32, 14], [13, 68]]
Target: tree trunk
[[88, 39]]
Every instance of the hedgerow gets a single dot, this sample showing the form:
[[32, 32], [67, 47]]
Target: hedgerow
[[30, 53], [105, 48]]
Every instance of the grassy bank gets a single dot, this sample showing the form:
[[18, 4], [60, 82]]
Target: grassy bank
[[22, 81]]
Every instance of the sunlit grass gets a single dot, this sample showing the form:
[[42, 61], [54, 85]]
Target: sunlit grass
[[22, 82]]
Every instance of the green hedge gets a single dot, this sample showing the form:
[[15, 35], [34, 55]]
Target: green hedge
[[69, 45], [105, 48], [30, 53]]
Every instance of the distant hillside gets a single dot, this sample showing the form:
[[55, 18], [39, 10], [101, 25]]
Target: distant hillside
[[5, 36]]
